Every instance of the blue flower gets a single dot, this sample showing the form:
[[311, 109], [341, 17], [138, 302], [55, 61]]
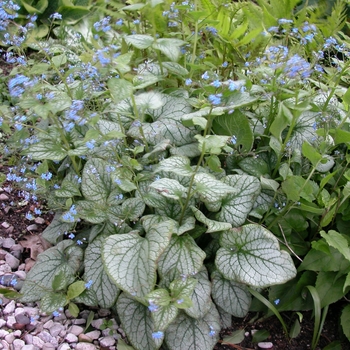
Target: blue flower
[[90, 144], [55, 314], [119, 22], [233, 140], [188, 82], [79, 242], [71, 235], [205, 76], [136, 21], [88, 284], [37, 211], [284, 21], [212, 331], [152, 306], [277, 301], [216, 83], [56, 16], [157, 335], [29, 216], [215, 99], [46, 176]]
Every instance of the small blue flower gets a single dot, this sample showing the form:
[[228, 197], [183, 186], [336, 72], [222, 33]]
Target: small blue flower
[[233, 140], [55, 314], [117, 181], [56, 16], [277, 301], [216, 83], [71, 235], [205, 76], [212, 331], [188, 82], [79, 242], [180, 301], [157, 335], [37, 211], [90, 144], [137, 21], [88, 284], [46, 176], [215, 99], [152, 306], [119, 22], [29, 216], [225, 64]]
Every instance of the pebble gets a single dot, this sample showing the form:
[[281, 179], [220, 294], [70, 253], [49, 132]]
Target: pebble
[[25, 327], [265, 345]]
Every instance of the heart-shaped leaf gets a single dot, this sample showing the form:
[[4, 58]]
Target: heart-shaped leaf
[[251, 255]]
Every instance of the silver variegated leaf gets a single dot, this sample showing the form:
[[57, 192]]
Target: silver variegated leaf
[[169, 188], [137, 323], [213, 226], [187, 333], [105, 289], [178, 165], [251, 255], [231, 296], [236, 206]]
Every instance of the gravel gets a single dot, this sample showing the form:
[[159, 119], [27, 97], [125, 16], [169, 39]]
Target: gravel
[[25, 327]]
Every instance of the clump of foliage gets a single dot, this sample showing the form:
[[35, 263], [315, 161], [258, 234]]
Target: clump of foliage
[[192, 154]]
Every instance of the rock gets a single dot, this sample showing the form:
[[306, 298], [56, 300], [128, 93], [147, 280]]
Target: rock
[[106, 342], [10, 338], [11, 320], [5, 224], [12, 261], [8, 243], [93, 334], [39, 221], [9, 308], [3, 254], [38, 341], [5, 345], [49, 346], [21, 274], [265, 345], [4, 197], [97, 323], [76, 330], [64, 346], [5, 268], [45, 336], [18, 344], [56, 329], [104, 312], [22, 319], [2, 323], [79, 321], [30, 347], [28, 338], [85, 346], [48, 324], [71, 338], [3, 333], [33, 227]]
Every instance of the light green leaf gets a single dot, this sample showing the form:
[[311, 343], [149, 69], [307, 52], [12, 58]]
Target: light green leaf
[[131, 260], [140, 41], [51, 302], [231, 296], [251, 255], [132, 209], [347, 282], [296, 186], [236, 337], [187, 333], [46, 150], [212, 144], [96, 183], [106, 291], [73, 309], [149, 100], [182, 287], [137, 323], [213, 226], [59, 60], [201, 296], [107, 127], [121, 345], [119, 89], [163, 316], [182, 254], [254, 166], [310, 153], [94, 212], [169, 188], [64, 258], [338, 241], [177, 165], [236, 206], [75, 289], [345, 321]]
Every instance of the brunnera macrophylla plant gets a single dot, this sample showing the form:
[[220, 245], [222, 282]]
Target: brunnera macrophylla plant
[[174, 181]]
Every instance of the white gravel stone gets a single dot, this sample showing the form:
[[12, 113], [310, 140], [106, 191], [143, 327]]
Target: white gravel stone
[[11, 320], [48, 324], [64, 346], [2, 323], [49, 346], [5, 268], [79, 321], [107, 341], [56, 329], [76, 330], [30, 347], [3, 333], [37, 341], [8, 243], [19, 311], [21, 274], [12, 261], [18, 344], [85, 346], [5, 345], [28, 338], [97, 323], [93, 334], [71, 338], [10, 338]]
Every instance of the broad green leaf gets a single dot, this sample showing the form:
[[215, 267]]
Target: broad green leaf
[[137, 323], [182, 254], [213, 226], [169, 47], [56, 229], [231, 296], [251, 255], [345, 321], [149, 100], [51, 302], [59, 60], [337, 241], [75, 289], [68, 189], [65, 257], [182, 287], [255, 166], [235, 124], [187, 333], [96, 184], [347, 282], [123, 346], [107, 127], [106, 291], [164, 316], [119, 89], [201, 296], [317, 260], [212, 144], [296, 186], [177, 165], [46, 150], [236, 337], [303, 130], [170, 188], [140, 41], [310, 153], [329, 287], [131, 260], [73, 309], [236, 206]]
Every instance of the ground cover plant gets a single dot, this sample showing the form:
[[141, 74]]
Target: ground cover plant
[[195, 154]]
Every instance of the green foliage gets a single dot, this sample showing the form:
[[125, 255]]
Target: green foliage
[[192, 154]]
